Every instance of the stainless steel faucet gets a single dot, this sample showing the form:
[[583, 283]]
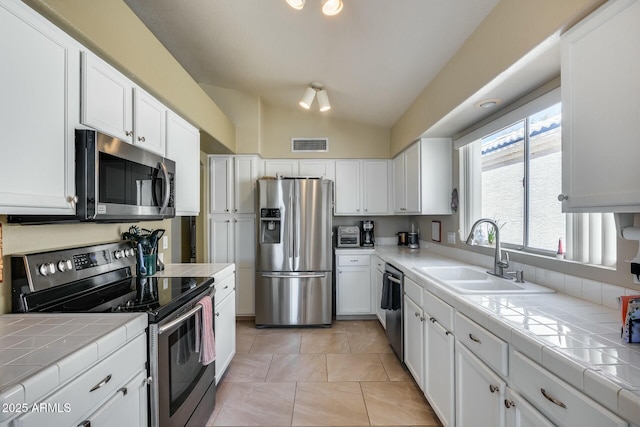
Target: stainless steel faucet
[[499, 263]]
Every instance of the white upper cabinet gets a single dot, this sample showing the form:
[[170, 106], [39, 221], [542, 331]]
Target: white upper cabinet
[[233, 181], [39, 110], [601, 110], [107, 98], [422, 178], [280, 168], [149, 128], [113, 104], [362, 187], [183, 147], [321, 168]]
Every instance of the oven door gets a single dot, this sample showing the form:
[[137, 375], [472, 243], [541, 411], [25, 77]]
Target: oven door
[[122, 181], [183, 390]]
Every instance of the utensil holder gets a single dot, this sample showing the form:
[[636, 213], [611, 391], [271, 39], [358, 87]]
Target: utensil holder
[[150, 265]]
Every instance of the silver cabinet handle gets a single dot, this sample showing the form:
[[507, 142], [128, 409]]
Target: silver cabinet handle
[[552, 399], [432, 319], [447, 333], [493, 388], [217, 313], [562, 197], [101, 383], [474, 339], [394, 280], [226, 287], [123, 390], [416, 314], [141, 138], [509, 403], [128, 132]]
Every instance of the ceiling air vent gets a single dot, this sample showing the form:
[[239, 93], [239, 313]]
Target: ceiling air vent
[[309, 145]]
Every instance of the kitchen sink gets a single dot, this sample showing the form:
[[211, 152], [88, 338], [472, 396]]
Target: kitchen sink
[[472, 280]]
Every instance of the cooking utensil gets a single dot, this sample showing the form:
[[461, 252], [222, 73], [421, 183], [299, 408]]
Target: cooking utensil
[[142, 268]]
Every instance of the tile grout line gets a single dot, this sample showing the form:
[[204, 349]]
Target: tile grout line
[[293, 408], [268, 369], [366, 408]]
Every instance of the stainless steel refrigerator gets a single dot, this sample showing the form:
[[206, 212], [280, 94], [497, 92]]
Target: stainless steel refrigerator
[[293, 256]]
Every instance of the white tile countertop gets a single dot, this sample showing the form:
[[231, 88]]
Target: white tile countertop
[[41, 351], [220, 270], [577, 340]]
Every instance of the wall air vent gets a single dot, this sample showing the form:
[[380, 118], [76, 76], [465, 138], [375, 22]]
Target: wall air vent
[[309, 145]]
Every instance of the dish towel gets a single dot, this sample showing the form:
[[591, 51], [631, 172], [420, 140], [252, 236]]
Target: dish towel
[[205, 340]]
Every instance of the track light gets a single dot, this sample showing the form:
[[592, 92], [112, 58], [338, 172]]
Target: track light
[[296, 4], [332, 7], [311, 92]]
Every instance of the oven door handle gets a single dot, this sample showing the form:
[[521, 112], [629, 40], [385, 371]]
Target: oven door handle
[[394, 280], [164, 328], [167, 188]]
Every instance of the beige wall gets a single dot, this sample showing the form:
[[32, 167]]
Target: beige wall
[[18, 239], [114, 32], [509, 32], [347, 139]]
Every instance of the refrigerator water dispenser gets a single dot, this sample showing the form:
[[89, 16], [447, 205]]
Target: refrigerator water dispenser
[[269, 225]]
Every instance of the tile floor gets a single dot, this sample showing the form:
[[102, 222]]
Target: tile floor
[[343, 376]]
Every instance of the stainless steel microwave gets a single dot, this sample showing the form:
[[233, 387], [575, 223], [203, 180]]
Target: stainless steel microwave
[[116, 182]]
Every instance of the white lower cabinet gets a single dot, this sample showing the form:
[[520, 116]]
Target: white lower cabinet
[[353, 285], [479, 392], [225, 324], [439, 368], [559, 401], [377, 276], [414, 339], [519, 413]]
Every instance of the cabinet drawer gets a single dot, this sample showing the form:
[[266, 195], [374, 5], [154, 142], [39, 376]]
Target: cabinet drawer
[[347, 260], [413, 291], [491, 349], [112, 373], [563, 404], [438, 309], [224, 288]]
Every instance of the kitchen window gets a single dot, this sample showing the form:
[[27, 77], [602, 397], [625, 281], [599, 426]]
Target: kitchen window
[[511, 171]]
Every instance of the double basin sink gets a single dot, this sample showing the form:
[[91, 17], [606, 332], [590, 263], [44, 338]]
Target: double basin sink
[[472, 280]]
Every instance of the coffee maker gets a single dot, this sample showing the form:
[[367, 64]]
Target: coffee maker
[[366, 233]]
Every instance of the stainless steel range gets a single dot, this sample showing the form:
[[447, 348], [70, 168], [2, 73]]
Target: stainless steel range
[[99, 279]]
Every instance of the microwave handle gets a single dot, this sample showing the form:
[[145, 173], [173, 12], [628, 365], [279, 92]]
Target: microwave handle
[[167, 188]]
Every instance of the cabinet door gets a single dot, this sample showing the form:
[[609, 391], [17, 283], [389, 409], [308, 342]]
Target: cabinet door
[[183, 147], [412, 178], [245, 183], [221, 184], [322, 168], [221, 239], [376, 300], [245, 241], [348, 187], [399, 196], [225, 330], [439, 371], [353, 291], [414, 339], [39, 109], [127, 408], [107, 98], [479, 392], [280, 167], [375, 187], [600, 92], [519, 413], [245, 291], [149, 126]]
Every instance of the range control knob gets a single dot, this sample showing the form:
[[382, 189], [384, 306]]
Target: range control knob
[[119, 254], [65, 265], [129, 252], [47, 268]]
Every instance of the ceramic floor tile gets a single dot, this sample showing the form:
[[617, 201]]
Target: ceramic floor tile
[[355, 367], [397, 403], [368, 343], [325, 343], [257, 404], [393, 367], [276, 343], [298, 367], [248, 368], [329, 404], [244, 341]]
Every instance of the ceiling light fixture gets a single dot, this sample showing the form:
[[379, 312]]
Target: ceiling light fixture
[[311, 92], [296, 4], [329, 7], [488, 103], [332, 7]]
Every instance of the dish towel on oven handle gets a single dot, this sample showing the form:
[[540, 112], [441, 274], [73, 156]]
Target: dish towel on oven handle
[[205, 339]]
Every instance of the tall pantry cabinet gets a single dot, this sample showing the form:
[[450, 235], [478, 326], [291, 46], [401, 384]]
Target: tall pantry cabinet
[[232, 222]]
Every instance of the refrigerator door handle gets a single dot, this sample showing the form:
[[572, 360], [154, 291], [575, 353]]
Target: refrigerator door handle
[[297, 276], [291, 227]]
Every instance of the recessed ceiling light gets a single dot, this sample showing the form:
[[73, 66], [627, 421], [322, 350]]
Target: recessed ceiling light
[[296, 4], [488, 103], [332, 7]]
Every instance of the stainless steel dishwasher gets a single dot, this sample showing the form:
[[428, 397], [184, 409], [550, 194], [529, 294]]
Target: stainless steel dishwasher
[[391, 302]]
